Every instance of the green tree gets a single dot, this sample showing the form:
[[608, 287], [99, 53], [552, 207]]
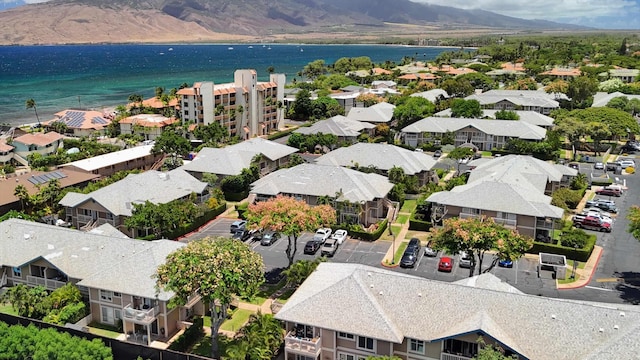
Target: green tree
[[302, 107], [325, 107], [476, 237], [581, 90], [411, 110], [31, 104], [396, 175], [22, 193], [507, 115], [574, 130], [290, 217], [491, 352], [172, 143], [219, 268], [33, 343], [27, 301], [634, 221], [314, 69], [461, 108], [211, 135], [457, 88], [300, 270], [598, 132], [478, 81], [263, 334]]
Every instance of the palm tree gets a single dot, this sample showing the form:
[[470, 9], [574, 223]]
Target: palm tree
[[31, 104], [21, 193], [238, 351]]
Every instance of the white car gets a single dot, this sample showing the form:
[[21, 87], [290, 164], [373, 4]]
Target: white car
[[322, 235], [465, 260], [340, 236]]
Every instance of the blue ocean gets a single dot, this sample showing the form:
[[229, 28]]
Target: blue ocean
[[101, 76]]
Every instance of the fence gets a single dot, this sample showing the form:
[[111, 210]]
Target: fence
[[121, 350]]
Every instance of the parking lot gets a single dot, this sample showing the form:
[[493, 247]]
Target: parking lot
[[372, 253]]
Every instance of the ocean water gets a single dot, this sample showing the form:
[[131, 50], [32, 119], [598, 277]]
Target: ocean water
[[101, 76]]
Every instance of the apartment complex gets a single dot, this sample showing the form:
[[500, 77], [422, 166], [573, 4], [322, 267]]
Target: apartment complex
[[246, 107], [351, 311]]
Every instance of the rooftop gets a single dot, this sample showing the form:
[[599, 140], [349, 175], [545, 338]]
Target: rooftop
[[379, 113], [520, 129], [338, 125], [116, 157]]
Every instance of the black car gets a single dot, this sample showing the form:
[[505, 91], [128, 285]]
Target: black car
[[269, 238], [312, 247], [241, 235], [409, 257], [608, 207], [437, 153]]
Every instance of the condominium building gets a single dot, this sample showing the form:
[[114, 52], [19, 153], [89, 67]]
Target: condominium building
[[246, 107]]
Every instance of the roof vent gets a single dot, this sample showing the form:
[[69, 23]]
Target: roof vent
[[419, 294], [369, 274], [616, 327], [553, 316], [380, 293], [601, 330], [27, 236], [371, 286], [621, 313]]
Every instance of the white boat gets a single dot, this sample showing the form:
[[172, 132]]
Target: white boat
[[170, 49], [269, 48], [301, 50], [250, 47], [230, 48]]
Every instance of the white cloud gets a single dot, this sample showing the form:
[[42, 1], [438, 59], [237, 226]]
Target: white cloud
[[548, 9]]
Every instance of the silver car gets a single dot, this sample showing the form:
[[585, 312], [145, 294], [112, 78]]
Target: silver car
[[429, 251], [465, 260]]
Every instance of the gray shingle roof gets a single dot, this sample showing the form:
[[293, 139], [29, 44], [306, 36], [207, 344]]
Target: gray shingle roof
[[104, 262], [519, 129], [392, 306], [382, 156], [601, 99], [337, 125], [432, 95], [378, 113], [520, 169], [519, 97], [318, 180], [531, 117], [232, 159], [154, 186]]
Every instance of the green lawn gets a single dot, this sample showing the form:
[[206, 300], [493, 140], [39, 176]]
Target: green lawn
[[408, 206], [203, 348], [257, 300], [7, 309], [399, 252], [487, 154], [104, 330], [239, 318], [402, 219]]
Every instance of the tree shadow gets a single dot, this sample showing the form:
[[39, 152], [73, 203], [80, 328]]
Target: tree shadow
[[273, 276], [629, 286]]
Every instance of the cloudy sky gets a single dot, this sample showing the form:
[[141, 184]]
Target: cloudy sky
[[604, 14]]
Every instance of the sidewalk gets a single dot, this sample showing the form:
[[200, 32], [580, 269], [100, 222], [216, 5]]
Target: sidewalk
[[584, 275], [397, 239]]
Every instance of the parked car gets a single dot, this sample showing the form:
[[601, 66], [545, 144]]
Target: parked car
[[241, 235], [577, 218], [429, 251], [609, 191], [340, 235], [574, 165], [414, 243], [322, 235], [329, 247], [311, 247], [593, 223], [505, 263], [269, 238], [595, 202], [410, 256], [255, 235], [627, 163], [465, 260], [598, 166], [237, 225], [437, 153], [607, 207], [445, 264]]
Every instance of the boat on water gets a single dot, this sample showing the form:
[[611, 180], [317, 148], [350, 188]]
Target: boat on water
[[170, 49], [230, 48], [301, 50], [250, 47]]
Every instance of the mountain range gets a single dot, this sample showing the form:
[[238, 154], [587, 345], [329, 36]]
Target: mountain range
[[120, 21]]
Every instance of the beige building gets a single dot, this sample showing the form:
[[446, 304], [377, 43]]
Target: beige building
[[113, 272], [139, 157], [351, 311], [245, 107], [149, 126], [81, 122]]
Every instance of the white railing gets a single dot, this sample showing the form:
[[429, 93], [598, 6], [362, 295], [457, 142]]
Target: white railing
[[84, 218], [102, 221], [505, 222], [49, 284], [145, 316], [469, 216], [445, 356], [304, 346]]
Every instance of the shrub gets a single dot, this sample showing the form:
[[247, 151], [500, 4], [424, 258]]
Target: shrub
[[359, 233], [571, 253], [190, 336], [418, 224], [574, 238], [566, 198]]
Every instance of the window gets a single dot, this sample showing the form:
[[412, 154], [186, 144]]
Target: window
[[463, 348], [343, 356], [416, 346], [366, 343], [344, 335], [17, 272], [116, 294], [106, 295], [110, 315]]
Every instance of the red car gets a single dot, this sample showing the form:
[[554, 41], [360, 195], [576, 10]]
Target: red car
[[445, 264], [608, 191]]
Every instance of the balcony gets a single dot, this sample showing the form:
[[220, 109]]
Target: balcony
[[142, 317], [445, 356], [469, 216], [49, 284], [508, 223], [302, 346], [544, 224]]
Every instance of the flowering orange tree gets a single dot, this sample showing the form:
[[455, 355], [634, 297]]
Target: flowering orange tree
[[291, 217], [216, 269], [476, 237]]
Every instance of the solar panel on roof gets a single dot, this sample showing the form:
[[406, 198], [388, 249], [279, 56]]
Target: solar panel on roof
[[45, 178]]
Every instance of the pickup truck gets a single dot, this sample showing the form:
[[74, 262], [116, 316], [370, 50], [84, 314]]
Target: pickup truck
[[593, 223], [578, 218]]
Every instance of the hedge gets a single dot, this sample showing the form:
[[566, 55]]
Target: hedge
[[418, 225], [281, 134], [242, 209], [192, 335], [205, 218], [571, 253], [233, 196], [364, 235]]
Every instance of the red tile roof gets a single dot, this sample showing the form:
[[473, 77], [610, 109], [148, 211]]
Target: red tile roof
[[40, 139]]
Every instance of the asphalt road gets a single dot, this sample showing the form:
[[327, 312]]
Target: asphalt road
[[617, 277]]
